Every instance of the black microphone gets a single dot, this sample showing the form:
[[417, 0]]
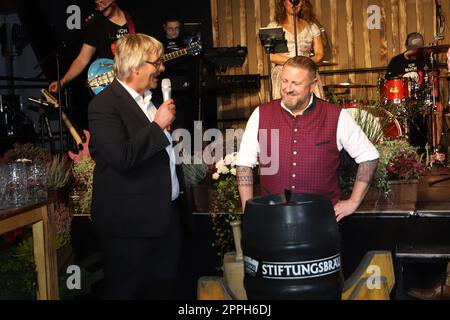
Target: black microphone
[[294, 2]]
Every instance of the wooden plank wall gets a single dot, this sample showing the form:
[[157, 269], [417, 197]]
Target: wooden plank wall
[[236, 22]]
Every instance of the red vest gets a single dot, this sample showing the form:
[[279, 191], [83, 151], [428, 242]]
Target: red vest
[[308, 154]]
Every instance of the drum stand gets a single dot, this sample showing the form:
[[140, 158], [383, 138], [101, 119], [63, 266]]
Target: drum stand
[[433, 118]]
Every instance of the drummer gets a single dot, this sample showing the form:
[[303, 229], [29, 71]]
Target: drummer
[[413, 64]]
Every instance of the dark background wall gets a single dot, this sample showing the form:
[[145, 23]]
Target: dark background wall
[[45, 21]]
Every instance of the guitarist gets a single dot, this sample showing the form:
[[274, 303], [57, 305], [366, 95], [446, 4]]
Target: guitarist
[[101, 32]]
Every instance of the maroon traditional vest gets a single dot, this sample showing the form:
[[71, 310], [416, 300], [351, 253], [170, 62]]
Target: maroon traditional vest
[[308, 154]]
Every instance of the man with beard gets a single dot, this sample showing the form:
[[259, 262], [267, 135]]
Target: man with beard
[[311, 133]]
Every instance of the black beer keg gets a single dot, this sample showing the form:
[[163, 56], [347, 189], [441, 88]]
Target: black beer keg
[[291, 248]]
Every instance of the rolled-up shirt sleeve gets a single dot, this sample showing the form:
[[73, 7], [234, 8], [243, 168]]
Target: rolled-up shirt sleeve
[[351, 138], [249, 149]]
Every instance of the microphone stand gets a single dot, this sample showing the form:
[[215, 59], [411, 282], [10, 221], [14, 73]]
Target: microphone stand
[[58, 81], [294, 16]]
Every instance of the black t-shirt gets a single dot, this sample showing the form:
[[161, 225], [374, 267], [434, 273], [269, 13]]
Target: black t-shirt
[[102, 33], [171, 45], [401, 67]]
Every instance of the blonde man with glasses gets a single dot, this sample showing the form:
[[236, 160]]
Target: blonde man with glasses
[[136, 189]]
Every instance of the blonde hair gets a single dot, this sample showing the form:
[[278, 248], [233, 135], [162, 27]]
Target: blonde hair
[[131, 52]]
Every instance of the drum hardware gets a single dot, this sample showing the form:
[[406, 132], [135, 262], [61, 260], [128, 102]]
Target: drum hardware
[[348, 85], [327, 64], [442, 48]]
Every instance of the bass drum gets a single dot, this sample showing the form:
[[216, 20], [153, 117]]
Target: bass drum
[[377, 123]]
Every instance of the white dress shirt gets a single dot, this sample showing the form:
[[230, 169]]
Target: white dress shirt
[[149, 110], [349, 136]]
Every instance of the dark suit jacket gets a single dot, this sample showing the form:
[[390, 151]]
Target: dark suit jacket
[[132, 185]]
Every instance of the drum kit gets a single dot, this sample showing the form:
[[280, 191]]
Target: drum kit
[[402, 100]]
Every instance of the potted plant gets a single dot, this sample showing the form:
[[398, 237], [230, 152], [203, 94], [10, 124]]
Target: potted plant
[[58, 175], [198, 191], [225, 206], [398, 171], [399, 165]]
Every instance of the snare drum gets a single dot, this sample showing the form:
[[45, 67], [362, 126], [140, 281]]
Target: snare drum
[[395, 90]]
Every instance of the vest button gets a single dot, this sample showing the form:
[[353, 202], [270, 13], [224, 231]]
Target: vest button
[[295, 141], [294, 164], [293, 187], [293, 176], [295, 130], [295, 153]]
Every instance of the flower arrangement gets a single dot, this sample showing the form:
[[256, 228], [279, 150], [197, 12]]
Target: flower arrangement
[[398, 161], [405, 166], [225, 200], [83, 172], [226, 197]]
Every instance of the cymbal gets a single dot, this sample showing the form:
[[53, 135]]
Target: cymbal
[[442, 48], [350, 85], [327, 64]]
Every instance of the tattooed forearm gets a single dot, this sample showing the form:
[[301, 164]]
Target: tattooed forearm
[[244, 176], [366, 171]]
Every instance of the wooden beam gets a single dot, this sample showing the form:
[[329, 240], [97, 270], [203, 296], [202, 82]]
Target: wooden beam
[[403, 23], [260, 55], [367, 47], [420, 14], [334, 33], [395, 27], [215, 23], [350, 37], [383, 35]]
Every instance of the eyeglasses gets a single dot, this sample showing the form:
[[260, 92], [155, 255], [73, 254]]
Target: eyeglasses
[[156, 64]]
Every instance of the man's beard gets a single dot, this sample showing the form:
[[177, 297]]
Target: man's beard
[[293, 103]]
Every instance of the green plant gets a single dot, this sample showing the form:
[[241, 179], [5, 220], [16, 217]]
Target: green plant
[[225, 203], [58, 172], [83, 172], [398, 160], [195, 172], [17, 269]]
